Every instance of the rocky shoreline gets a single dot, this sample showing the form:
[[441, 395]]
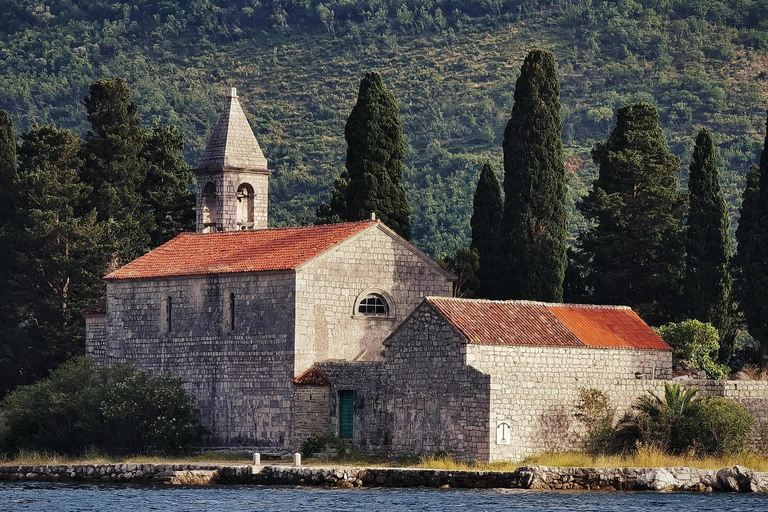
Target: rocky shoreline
[[734, 479]]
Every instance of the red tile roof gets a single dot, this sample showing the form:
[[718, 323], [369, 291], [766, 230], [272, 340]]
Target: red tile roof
[[312, 377], [239, 251], [530, 323]]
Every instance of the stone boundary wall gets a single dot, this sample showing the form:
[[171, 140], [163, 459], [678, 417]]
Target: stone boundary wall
[[736, 479]]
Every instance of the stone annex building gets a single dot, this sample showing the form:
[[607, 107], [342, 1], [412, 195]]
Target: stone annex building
[[349, 328]]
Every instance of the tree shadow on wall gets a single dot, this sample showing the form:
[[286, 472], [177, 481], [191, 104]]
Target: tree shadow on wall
[[555, 430]]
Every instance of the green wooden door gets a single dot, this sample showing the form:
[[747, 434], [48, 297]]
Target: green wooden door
[[346, 414]]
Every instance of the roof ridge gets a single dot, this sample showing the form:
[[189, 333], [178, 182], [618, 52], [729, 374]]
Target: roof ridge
[[284, 228], [529, 302]]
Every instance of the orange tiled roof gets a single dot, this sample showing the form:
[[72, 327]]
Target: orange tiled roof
[[312, 377], [238, 251], [544, 324]]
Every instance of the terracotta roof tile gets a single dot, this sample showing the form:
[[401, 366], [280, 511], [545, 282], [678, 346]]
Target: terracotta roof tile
[[238, 251], [312, 377], [544, 324], [505, 322]]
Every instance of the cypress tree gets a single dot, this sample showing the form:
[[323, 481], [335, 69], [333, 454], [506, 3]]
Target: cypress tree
[[634, 253], [487, 212], [9, 336], [534, 227], [752, 237], [374, 168], [7, 168], [708, 283], [166, 190], [115, 168]]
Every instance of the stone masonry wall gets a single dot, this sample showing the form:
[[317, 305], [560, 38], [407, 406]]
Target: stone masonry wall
[[534, 390], [96, 337], [241, 378], [372, 414], [329, 287], [437, 402], [311, 409]]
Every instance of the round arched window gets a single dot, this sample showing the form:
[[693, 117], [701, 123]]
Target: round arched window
[[373, 304]]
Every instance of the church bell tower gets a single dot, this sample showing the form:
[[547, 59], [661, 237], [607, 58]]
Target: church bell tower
[[232, 176]]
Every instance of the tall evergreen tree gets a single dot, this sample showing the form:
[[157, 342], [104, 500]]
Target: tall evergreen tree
[[708, 284], [634, 253], [9, 336], [535, 221], [166, 190], [115, 168], [61, 265], [7, 167], [374, 170], [752, 237], [487, 212]]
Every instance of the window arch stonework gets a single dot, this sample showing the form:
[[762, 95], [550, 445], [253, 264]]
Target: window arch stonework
[[374, 303]]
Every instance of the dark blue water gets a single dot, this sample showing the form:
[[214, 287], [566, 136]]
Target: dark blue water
[[105, 498]]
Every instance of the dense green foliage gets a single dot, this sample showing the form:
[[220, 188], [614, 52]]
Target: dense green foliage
[[80, 208], [696, 344], [82, 406], [534, 228], [633, 254], [707, 285], [115, 168], [59, 260], [487, 212], [373, 181], [753, 256], [720, 426], [464, 264], [7, 167], [165, 191], [680, 422], [451, 65]]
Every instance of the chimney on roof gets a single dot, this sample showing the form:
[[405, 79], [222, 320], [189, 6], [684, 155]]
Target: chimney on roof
[[232, 93], [373, 215]]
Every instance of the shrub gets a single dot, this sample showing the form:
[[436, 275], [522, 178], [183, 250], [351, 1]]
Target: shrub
[[593, 410], [719, 426], [321, 441], [695, 343], [81, 406]]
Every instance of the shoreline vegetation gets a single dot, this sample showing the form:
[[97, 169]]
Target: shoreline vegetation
[[644, 457]]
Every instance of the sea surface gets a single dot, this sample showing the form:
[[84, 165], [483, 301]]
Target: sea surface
[[50, 497]]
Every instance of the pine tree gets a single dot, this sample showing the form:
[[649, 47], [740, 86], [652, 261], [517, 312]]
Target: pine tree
[[487, 212], [165, 191], [374, 169], [752, 237], [115, 169], [60, 265], [708, 283], [534, 228], [634, 253]]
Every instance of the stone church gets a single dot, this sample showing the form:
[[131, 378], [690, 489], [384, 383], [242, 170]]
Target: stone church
[[349, 328]]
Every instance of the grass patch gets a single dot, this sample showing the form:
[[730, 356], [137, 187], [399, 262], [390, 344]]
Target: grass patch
[[31, 458], [648, 457]]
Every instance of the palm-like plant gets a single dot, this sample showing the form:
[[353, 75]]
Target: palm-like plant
[[661, 420]]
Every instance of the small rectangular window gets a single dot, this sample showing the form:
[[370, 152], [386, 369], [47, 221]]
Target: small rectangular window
[[231, 312], [168, 314]]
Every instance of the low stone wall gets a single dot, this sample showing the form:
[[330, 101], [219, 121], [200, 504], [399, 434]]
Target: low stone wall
[[736, 479]]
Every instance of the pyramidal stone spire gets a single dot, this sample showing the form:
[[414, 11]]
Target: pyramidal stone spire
[[232, 144], [232, 176]]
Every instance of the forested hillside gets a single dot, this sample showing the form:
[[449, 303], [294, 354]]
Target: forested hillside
[[452, 65]]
